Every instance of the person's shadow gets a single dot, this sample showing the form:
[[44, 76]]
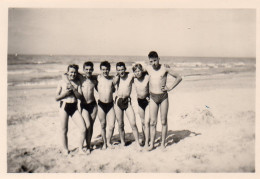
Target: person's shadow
[[173, 137]]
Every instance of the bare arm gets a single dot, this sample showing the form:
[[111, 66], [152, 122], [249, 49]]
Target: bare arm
[[59, 95], [65, 77], [77, 92], [96, 85], [82, 97], [116, 79], [176, 82], [80, 77]]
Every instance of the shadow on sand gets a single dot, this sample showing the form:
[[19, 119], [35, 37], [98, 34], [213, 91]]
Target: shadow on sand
[[172, 137]]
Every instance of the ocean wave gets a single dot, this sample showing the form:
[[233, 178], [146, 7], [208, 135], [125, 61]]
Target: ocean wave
[[201, 68], [11, 62], [53, 71], [39, 83], [208, 65], [16, 72], [239, 64], [35, 71]]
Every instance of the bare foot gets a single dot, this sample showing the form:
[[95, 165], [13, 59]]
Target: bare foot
[[163, 147], [89, 147], [122, 144], [104, 147], [88, 151], [151, 147], [110, 146], [138, 147], [141, 142], [146, 146], [82, 151]]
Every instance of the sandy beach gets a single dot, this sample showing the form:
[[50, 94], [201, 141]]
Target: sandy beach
[[211, 128]]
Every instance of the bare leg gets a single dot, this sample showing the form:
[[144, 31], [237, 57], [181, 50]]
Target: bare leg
[[147, 127], [111, 125], [90, 132], [64, 131], [102, 119], [120, 120], [131, 117], [142, 117], [86, 118], [79, 121], [153, 114], [164, 111]]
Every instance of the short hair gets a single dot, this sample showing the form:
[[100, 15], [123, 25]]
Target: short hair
[[88, 64], [76, 67], [119, 64], [106, 64], [139, 66], [153, 54]]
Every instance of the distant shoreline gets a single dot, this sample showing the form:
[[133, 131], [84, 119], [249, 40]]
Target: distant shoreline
[[14, 54]]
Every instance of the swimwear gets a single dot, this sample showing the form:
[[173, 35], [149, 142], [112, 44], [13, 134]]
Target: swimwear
[[70, 108], [159, 98], [105, 106], [143, 103], [88, 106], [122, 103]]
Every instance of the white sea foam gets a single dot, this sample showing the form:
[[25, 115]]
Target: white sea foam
[[40, 83], [15, 72], [53, 70], [239, 64]]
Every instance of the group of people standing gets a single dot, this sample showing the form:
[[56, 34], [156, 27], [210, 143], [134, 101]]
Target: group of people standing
[[151, 90]]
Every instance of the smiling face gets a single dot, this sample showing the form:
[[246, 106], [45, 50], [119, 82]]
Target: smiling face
[[154, 62], [138, 73], [121, 70], [72, 73], [88, 70], [105, 71]]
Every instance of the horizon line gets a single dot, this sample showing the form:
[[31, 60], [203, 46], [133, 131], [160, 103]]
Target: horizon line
[[131, 55]]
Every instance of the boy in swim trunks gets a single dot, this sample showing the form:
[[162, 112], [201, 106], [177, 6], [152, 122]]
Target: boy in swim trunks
[[88, 103], [67, 93], [106, 113], [123, 103], [158, 94], [141, 82]]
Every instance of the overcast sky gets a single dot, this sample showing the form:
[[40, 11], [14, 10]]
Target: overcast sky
[[171, 32]]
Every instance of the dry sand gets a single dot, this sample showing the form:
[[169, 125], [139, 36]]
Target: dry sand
[[211, 129]]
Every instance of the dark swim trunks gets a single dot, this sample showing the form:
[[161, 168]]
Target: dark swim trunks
[[70, 108], [106, 106], [88, 106], [122, 103], [159, 98], [143, 103]]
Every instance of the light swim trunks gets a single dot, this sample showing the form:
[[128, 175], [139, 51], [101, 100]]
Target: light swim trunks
[[158, 98]]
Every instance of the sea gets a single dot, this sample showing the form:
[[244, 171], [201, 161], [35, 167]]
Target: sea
[[46, 70]]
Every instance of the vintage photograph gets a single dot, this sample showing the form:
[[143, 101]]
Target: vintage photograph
[[131, 90]]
